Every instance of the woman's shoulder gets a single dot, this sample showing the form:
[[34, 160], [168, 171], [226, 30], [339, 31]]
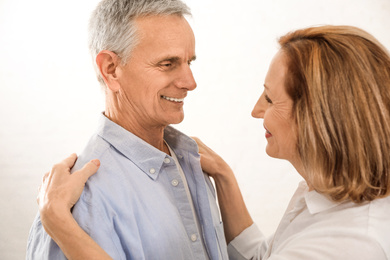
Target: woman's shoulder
[[345, 231], [364, 227], [379, 222]]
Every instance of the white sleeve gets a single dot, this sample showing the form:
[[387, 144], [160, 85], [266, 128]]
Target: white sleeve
[[249, 244], [252, 245]]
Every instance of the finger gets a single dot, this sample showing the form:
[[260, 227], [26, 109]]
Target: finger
[[44, 178], [196, 139], [88, 170], [199, 143], [69, 161], [39, 193]]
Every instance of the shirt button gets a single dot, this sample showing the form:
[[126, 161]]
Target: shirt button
[[175, 183], [152, 171], [166, 160], [194, 237]]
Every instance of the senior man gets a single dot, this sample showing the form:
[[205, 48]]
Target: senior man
[[150, 198]]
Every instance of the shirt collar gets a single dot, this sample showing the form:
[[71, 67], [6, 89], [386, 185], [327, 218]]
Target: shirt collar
[[317, 202], [180, 142], [148, 158]]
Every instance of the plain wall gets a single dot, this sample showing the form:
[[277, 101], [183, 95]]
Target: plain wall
[[50, 99]]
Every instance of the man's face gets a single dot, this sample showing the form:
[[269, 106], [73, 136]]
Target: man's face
[[158, 76]]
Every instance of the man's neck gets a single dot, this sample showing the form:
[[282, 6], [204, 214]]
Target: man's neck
[[153, 135]]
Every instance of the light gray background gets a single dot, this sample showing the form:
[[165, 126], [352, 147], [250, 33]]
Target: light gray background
[[50, 100]]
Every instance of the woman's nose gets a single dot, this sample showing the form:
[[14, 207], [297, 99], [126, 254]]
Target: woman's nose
[[260, 107]]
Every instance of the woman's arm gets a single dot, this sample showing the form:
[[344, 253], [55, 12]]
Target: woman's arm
[[58, 193], [234, 213]]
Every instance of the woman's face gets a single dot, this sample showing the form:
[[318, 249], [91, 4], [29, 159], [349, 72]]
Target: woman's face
[[275, 107]]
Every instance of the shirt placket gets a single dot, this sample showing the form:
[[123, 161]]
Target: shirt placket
[[184, 208]]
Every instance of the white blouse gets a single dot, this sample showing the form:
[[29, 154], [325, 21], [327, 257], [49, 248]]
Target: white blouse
[[315, 227]]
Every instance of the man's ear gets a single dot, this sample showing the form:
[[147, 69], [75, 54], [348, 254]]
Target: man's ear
[[108, 63]]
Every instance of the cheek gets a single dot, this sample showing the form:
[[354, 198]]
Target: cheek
[[282, 128], [290, 138], [274, 120]]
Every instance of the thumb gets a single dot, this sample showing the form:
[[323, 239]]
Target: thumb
[[88, 170]]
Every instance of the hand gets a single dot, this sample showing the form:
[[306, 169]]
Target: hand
[[211, 162], [234, 213], [60, 190], [58, 193]]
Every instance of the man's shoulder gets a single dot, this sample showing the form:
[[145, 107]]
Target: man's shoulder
[[110, 172], [96, 148], [115, 169], [111, 159]]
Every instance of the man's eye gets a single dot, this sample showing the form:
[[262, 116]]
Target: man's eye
[[166, 64]]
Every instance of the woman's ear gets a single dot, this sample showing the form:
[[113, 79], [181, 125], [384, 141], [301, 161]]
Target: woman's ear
[[108, 62]]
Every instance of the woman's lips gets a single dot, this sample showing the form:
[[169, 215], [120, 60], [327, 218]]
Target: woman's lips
[[267, 133]]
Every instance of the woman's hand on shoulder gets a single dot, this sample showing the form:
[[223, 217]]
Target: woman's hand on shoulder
[[211, 162], [58, 193], [60, 189]]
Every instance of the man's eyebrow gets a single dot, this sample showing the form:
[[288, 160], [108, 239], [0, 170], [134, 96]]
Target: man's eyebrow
[[176, 58], [170, 58]]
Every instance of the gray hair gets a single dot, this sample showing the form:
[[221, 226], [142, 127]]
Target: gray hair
[[112, 24]]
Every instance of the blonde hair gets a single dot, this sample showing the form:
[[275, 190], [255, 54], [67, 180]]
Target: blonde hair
[[339, 80]]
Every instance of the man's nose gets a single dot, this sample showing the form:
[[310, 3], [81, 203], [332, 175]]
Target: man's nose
[[186, 79], [260, 107]]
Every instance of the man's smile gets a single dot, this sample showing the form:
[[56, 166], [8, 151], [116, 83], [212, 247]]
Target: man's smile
[[178, 100]]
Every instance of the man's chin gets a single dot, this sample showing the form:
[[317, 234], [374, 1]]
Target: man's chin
[[176, 120]]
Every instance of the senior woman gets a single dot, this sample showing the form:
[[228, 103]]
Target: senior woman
[[326, 109]]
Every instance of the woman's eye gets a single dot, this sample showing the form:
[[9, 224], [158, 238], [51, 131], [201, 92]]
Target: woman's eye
[[268, 99]]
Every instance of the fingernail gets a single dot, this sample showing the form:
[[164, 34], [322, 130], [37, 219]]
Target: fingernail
[[96, 162]]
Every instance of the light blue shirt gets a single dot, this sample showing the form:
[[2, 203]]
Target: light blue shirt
[[136, 207]]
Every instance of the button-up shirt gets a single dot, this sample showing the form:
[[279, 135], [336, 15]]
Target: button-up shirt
[[315, 227], [136, 206]]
